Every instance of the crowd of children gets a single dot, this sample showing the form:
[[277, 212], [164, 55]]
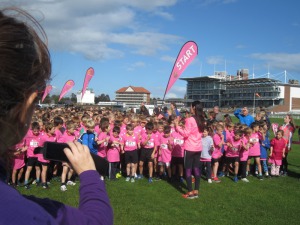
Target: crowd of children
[[138, 146]]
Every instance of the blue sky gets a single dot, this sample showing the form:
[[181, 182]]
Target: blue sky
[[135, 42]]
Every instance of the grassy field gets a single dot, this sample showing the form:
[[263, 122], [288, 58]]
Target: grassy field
[[270, 201]]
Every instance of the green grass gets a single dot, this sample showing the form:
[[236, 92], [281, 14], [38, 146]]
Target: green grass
[[271, 201]]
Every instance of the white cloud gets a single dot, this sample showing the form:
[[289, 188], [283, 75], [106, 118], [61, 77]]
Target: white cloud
[[281, 61], [136, 65], [176, 92], [215, 60], [168, 58], [240, 46], [209, 2], [99, 29]]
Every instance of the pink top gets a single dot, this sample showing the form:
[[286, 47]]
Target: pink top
[[66, 137], [234, 150], [18, 160], [255, 149], [130, 142], [191, 134], [178, 150], [102, 148], [32, 141], [123, 129], [166, 153], [58, 133], [217, 153], [244, 152], [278, 148], [113, 151], [151, 142], [45, 138]]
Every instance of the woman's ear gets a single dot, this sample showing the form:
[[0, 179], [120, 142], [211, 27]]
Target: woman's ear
[[26, 114]]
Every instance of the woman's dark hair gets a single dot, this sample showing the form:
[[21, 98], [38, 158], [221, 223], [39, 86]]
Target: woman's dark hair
[[199, 115]]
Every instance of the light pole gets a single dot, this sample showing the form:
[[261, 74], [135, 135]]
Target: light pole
[[253, 102]]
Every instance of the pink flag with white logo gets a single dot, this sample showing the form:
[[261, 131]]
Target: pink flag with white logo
[[88, 76], [46, 92], [67, 87], [187, 54]]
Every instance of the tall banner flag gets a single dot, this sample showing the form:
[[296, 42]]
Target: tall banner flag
[[68, 86], [186, 55], [88, 76], [46, 92]]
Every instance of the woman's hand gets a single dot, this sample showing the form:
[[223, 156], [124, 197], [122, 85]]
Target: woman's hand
[[80, 157]]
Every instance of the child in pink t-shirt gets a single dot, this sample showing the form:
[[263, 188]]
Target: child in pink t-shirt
[[244, 153], [254, 149], [178, 153], [113, 152], [130, 144], [48, 136], [232, 152], [148, 144], [103, 138], [32, 141], [68, 136], [18, 163], [165, 152], [277, 152], [218, 139]]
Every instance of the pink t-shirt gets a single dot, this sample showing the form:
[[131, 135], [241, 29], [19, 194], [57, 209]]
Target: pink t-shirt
[[217, 153], [278, 148], [151, 142], [32, 141], [113, 151], [18, 161], [102, 148], [66, 137], [244, 152], [45, 138], [234, 150], [58, 133], [178, 143], [130, 142], [166, 153], [255, 149]]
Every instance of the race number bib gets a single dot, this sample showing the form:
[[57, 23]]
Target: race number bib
[[130, 143], [164, 146], [178, 141], [34, 144]]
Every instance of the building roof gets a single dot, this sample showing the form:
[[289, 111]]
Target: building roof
[[251, 82], [133, 89]]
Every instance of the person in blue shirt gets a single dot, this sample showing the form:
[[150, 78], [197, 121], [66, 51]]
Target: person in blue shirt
[[244, 116], [89, 138]]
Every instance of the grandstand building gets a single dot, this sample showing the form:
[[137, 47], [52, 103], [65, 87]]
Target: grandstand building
[[237, 91], [133, 96]]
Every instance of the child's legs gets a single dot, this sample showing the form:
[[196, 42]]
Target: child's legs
[[243, 168], [208, 170], [285, 163], [236, 168], [201, 167], [20, 174], [273, 171], [133, 169], [150, 166], [141, 167], [180, 169], [215, 168], [70, 173], [264, 165], [128, 169], [257, 161], [14, 175], [64, 174], [27, 173], [277, 168], [168, 168], [161, 168], [248, 165], [44, 173]]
